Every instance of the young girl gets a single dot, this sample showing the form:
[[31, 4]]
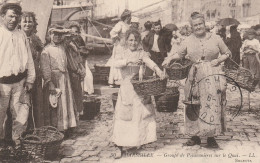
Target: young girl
[[54, 65], [250, 49]]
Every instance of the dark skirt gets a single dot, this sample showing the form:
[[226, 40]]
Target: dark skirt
[[77, 90]]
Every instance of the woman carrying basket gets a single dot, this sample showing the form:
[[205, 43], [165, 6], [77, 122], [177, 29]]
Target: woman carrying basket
[[118, 36], [134, 123], [205, 91]]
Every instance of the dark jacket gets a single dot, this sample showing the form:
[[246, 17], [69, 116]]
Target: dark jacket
[[164, 42]]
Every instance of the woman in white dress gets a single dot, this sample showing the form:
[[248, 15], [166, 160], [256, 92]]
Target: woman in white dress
[[118, 36], [134, 122]]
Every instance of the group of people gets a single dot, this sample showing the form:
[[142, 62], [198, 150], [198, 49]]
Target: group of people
[[205, 91], [40, 85], [244, 48], [52, 75]]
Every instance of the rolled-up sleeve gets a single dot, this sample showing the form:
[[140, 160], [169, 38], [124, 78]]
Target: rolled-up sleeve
[[116, 30], [182, 51], [30, 65], [223, 47], [45, 66], [148, 62]]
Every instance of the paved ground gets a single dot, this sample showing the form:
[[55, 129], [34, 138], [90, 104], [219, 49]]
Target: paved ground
[[241, 143]]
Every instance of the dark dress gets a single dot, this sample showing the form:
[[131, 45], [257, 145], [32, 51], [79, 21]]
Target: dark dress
[[74, 65], [234, 44], [37, 98]]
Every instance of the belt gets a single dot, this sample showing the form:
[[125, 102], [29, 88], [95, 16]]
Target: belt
[[13, 78]]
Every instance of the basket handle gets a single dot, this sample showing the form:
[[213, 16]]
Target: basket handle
[[51, 128], [177, 64], [32, 137]]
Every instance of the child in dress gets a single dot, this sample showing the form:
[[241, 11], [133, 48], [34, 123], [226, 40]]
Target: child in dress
[[250, 49]]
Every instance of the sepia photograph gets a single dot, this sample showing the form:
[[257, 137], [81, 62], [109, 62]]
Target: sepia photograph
[[129, 81]]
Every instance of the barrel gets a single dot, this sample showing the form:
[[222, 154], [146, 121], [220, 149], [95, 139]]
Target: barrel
[[91, 108], [114, 99], [168, 101]]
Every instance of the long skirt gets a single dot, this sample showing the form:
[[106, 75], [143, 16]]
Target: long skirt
[[206, 86], [250, 62], [65, 115], [134, 122], [77, 90], [37, 103]]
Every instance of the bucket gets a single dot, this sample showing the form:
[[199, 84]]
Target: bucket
[[114, 99], [168, 101], [91, 108]]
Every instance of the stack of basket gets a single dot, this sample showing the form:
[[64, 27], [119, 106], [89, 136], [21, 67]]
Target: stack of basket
[[91, 105], [168, 101], [42, 143]]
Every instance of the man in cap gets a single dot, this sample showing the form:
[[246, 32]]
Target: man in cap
[[135, 23], [17, 73]]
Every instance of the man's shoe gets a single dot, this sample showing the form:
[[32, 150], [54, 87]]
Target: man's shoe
[[211, 143], [195, 140]]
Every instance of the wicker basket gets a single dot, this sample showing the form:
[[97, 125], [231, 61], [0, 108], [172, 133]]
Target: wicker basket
[[42, 142], [102, 72], [168, 101], [179, 69], [243, 77], [149, 85], [16, 155]]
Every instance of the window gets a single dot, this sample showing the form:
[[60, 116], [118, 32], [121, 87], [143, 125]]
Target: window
[[233, 13]]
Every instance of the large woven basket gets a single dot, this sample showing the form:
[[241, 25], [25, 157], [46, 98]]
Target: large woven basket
[[42, 142], [16, 155], [149, 85], [102, 72], [243, 77], [179, 69]]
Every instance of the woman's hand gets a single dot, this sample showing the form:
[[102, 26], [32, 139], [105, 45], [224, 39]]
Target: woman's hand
[[163, 75], [214, 62], [52, 88], [160, 73], [166, 61]]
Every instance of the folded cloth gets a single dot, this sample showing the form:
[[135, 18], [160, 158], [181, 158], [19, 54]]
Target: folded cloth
[[53, 98]]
